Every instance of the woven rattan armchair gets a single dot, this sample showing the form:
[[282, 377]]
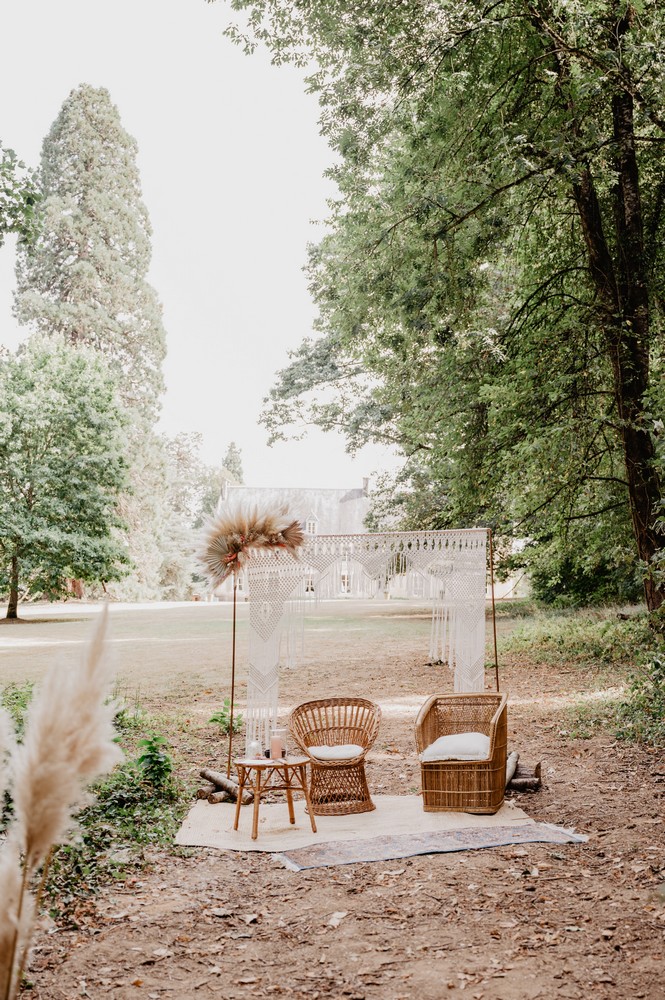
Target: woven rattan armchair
[[474, 786], [338, 786]]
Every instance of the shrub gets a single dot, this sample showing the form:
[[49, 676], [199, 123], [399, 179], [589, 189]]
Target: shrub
[[642, 716], [15, 698], [155, 763], [223, 718], [584, 639]]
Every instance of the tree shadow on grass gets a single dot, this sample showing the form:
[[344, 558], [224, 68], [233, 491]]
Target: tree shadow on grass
[[40, 621]]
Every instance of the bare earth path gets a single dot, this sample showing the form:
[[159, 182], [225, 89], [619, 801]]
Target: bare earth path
[[506, 923]]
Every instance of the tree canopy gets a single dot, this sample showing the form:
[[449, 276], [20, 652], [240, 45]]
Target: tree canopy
[[62, 469], [84, 278], [19, 197], [490, 292], [233, 461]]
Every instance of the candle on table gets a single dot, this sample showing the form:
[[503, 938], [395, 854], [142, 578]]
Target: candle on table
[[275, 746]]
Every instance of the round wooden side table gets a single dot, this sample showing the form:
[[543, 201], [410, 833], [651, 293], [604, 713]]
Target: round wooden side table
[[286, 774]]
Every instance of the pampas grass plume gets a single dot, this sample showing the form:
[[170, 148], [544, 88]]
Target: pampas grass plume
[[68, 742], [231, 536]]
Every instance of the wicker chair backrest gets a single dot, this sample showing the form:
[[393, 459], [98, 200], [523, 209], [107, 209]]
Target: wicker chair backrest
[[335, 721]]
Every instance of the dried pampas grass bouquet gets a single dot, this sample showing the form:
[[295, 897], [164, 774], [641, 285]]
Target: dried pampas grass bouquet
[[234, 533], [69, 741]]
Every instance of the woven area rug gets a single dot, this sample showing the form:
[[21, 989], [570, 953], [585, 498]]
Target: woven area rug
[[390, 847], [363, 837]]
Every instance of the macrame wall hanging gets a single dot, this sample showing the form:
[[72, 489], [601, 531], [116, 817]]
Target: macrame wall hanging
[[448, 568]]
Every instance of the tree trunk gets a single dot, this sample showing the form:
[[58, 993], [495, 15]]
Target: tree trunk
[[630, 350], [623, 292], [12, 607]]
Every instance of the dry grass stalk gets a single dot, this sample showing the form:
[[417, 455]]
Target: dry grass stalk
[[231, 536], [69, 741]]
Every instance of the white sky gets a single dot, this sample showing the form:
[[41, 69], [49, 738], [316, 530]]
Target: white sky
[[231, 166]]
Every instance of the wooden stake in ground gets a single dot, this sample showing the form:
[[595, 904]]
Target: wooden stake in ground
[[233, 673]]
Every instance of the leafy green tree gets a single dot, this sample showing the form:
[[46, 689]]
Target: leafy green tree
[[62, 469], [195, 486], [85, 279], [233, 462], [193, 492], [490, 292], [19, 197]]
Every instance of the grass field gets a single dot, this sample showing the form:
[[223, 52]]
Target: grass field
[[173, 650]]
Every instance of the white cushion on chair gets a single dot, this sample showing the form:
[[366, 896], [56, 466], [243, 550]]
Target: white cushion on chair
[[458, 746], [344, 751]]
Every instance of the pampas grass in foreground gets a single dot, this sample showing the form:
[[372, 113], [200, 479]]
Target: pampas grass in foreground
[[68, 742]]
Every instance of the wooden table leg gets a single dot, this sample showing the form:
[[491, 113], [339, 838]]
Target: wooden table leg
[[303, 781], [257, 800], [241, 786], [288, 774]]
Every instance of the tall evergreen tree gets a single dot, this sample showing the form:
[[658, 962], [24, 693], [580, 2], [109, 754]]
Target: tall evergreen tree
[[233, 461], [85, 279]]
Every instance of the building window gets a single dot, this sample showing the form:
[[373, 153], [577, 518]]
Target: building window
[[310, 526]]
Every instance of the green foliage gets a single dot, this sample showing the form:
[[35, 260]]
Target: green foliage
[[233, 461], [129, 715], [641, 718], [582, 568], [84, 278], [15, 699], [128, 815], [222, 718], [62, 468], [583, 639], [477, 290], [155, 764], [19, 197]]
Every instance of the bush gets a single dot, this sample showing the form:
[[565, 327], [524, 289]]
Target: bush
[[155, 763], [128, 814], [642, 716], [585, 639], [573, 584], [223, 718], [15, 698]]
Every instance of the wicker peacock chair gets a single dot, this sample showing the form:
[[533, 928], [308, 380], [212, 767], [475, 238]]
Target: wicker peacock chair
[[336, 734]]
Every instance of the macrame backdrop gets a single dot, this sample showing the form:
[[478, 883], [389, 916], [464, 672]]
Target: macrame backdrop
[[445, 567]]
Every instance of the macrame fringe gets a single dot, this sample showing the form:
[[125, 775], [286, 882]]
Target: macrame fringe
[[447, 568]]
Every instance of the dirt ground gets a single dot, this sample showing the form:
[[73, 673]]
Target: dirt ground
[[501, 924]]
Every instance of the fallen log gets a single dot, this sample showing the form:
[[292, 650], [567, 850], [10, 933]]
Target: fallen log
[[205, 790], [525, 779], [226, 784], [524, 785], [511, 765], [215, 797]]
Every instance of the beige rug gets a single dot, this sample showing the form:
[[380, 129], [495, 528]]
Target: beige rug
[[209, 825]]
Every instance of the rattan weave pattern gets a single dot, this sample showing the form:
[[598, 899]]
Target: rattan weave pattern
[[337, 788], [464, 785]]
